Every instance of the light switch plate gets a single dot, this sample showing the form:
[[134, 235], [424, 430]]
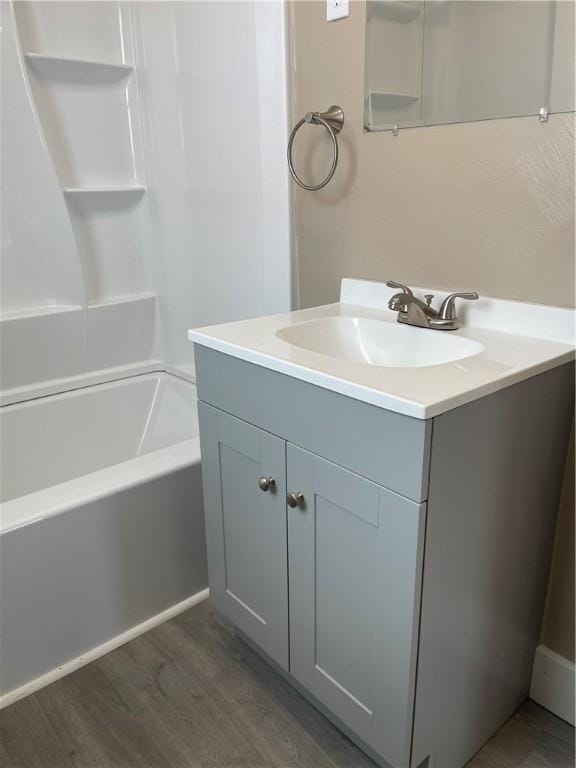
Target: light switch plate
[[337, 9]]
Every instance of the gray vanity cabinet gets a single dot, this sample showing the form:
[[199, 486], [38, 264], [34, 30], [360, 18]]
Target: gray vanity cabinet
[[246, 528], [350, 556], [380, 594]]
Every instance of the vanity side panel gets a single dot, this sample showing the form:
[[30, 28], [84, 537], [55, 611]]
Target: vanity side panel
[[386, 447], [495, 479]]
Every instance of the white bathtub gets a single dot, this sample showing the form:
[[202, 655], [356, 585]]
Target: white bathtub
[[102, 531]]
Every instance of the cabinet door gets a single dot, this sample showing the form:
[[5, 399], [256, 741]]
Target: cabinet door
[[355, 560], [246, 528]]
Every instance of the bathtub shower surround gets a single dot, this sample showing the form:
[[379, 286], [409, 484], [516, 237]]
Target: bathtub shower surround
[[144, 214], [130, 213]]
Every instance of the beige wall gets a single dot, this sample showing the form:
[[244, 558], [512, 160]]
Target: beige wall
[[486, 206], [482, 206]]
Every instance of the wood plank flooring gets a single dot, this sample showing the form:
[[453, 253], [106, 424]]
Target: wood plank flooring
[[190, 695]]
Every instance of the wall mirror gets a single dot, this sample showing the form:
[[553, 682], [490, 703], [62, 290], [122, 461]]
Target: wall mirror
[[430, 61]]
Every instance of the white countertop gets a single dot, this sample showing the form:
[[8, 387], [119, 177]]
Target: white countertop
[[520, 340]]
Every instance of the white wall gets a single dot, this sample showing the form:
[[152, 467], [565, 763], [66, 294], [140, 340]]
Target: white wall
[[213, 75]]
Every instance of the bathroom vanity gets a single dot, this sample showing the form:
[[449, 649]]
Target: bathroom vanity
[[380, 505]]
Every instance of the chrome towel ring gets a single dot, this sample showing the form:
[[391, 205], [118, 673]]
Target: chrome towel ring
[[332, 120]]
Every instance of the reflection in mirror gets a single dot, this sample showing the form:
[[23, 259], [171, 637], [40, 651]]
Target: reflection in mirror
[[431, 61]]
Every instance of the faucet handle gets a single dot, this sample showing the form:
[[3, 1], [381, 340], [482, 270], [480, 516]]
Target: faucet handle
[[448, 310], [403, 288]]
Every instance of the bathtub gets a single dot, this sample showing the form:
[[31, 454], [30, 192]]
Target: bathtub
[[101, 523]]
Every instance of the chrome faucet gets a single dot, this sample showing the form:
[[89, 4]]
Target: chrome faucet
[[414, 311]]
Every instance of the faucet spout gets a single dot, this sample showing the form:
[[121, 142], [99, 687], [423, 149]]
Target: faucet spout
[[412, 310]]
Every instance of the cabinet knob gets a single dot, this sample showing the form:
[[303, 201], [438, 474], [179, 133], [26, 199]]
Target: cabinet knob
[[295, 499], [266, 484]]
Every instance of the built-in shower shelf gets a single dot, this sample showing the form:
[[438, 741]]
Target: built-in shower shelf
[[131, 190], [58, 67], [24, 313]]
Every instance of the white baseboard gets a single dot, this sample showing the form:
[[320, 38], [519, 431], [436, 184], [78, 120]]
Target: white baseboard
[[110, 645], [553, 679]]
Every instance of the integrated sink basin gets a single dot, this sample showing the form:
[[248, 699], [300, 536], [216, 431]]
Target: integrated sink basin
[[379, 343], [358, 349]]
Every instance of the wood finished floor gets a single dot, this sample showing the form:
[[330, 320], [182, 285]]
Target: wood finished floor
[[188, 694]]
